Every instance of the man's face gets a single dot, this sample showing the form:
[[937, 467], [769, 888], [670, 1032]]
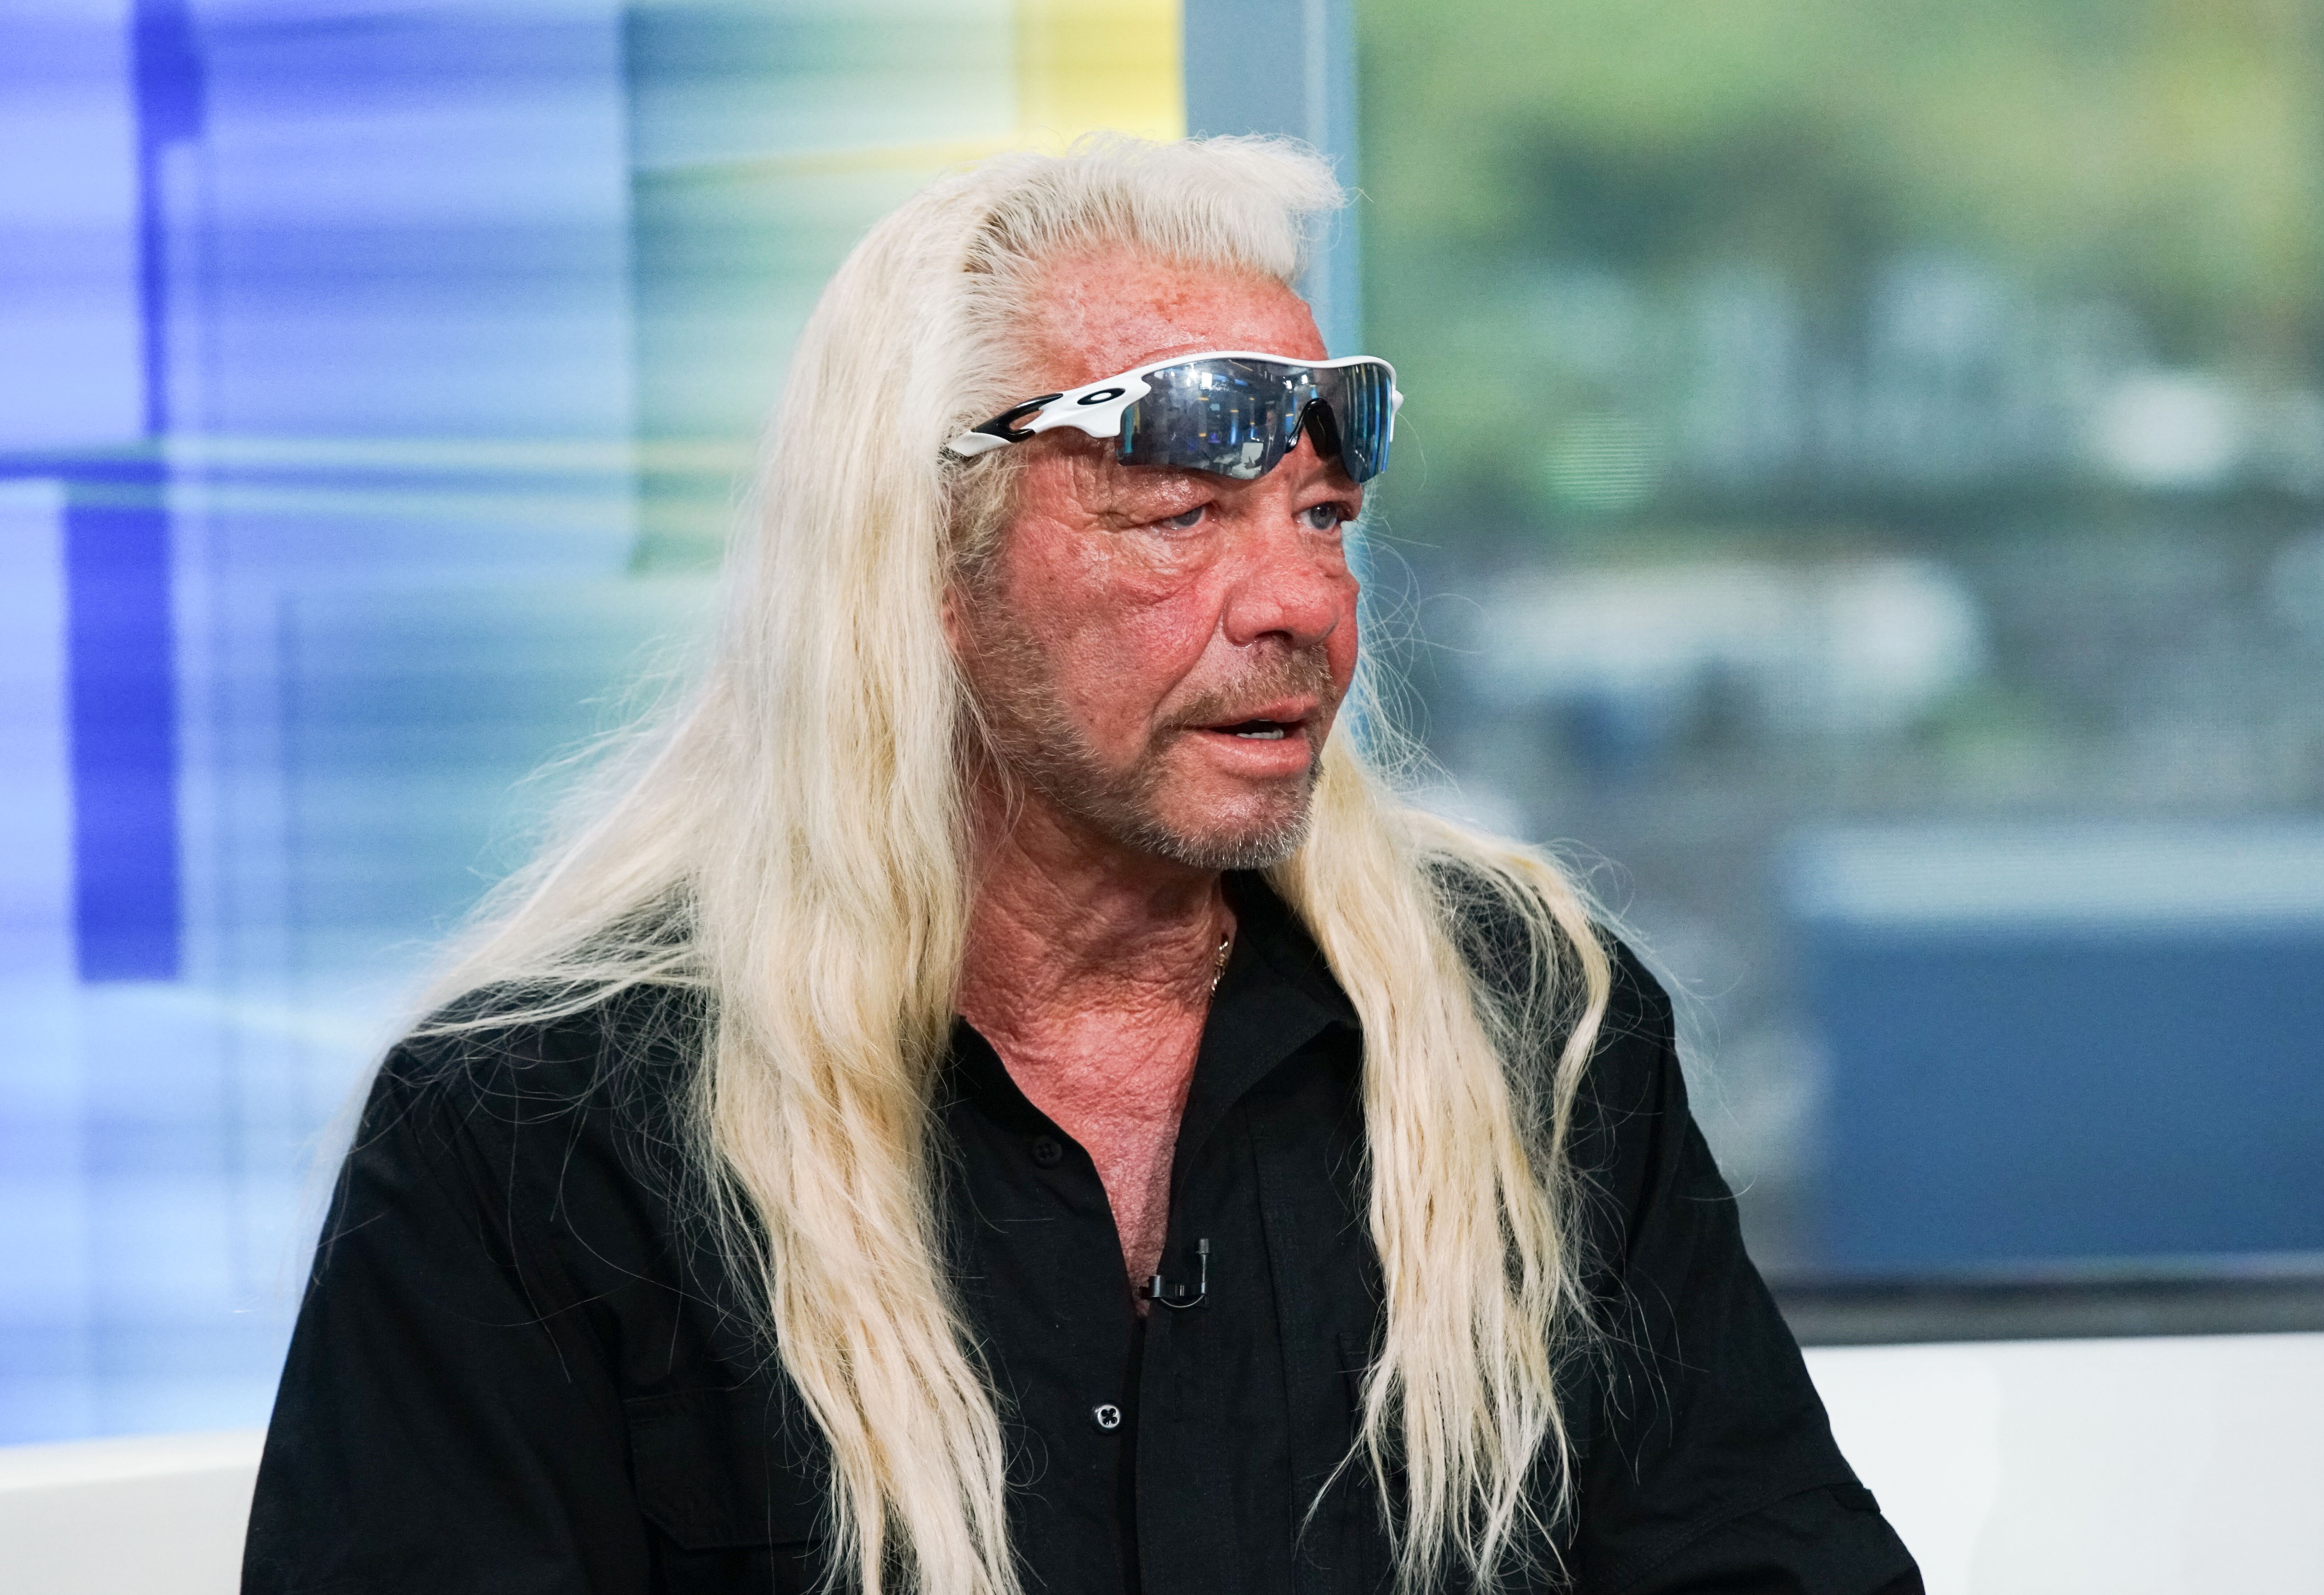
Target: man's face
[[1160, 654]]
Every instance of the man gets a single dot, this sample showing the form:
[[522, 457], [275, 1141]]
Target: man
[[995, 1096]]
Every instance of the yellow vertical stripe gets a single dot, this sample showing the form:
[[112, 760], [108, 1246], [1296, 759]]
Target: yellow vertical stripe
[[1083, 64]]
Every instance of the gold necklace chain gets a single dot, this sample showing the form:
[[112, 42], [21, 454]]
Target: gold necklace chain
[[1219, 970]]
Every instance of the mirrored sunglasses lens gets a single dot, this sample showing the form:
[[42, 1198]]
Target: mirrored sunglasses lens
[[1233, 417], [1359, 398], [1239, 418]]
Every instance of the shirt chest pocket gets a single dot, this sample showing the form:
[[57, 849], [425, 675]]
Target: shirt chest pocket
[[727, 1469]]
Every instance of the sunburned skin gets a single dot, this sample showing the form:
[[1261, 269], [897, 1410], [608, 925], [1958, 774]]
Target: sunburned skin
[[1162, 653]]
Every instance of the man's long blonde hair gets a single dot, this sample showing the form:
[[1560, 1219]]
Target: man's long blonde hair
[[787, 843]]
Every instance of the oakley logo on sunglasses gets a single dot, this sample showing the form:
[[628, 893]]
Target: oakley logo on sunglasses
[[1229, 411]]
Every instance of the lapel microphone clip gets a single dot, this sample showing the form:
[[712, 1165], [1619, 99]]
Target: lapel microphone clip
[[1179, 1297]]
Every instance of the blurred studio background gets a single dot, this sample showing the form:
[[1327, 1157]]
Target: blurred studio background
[[1861, 490]]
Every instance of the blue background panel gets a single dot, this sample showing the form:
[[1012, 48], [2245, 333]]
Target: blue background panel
[[121, 649], [320, 446], [2010, 1096]]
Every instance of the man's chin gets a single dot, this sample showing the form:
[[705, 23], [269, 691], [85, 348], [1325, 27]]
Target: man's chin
[[1190, 817], [1245, 843]]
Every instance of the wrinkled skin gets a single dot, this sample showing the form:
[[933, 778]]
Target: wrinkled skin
[[1129, 617]]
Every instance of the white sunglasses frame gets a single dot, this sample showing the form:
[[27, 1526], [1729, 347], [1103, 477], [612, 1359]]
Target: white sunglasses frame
[[1097, 408]]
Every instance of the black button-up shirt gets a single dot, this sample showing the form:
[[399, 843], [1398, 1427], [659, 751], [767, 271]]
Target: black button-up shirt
[[518, 1369]]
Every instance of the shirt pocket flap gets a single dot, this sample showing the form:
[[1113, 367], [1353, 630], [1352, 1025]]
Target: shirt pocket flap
[[717, 1468]]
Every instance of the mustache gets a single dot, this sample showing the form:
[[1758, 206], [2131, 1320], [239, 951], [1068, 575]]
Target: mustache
[[1306, 672]]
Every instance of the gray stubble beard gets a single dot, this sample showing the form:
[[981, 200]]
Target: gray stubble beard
[[1034, 741]]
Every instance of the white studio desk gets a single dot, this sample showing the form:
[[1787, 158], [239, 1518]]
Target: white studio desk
[[154, 1515], [2178, 1465], [2185, 1465]]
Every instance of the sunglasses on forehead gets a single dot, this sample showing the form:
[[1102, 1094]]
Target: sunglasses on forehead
[[1235, 413]]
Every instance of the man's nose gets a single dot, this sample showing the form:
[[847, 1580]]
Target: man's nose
[[1292, 581]]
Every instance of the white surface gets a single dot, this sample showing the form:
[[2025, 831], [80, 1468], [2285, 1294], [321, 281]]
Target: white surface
[[2164, 1466], [158, 1514]]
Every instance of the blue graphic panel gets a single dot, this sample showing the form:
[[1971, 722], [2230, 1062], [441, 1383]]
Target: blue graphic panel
[[322, 315], [319, 536], [2051, 1046], [125, 738]]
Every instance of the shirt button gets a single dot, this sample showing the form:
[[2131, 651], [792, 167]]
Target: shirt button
[[1108, 1417], [1048, 1154]]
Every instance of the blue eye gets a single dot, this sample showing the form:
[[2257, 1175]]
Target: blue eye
[[1325, 517], [1186, 520]]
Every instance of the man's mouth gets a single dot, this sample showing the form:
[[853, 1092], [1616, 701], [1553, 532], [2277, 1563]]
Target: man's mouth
[[1266, 722]]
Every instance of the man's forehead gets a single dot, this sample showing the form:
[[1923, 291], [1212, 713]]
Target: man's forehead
[[1107, 310]]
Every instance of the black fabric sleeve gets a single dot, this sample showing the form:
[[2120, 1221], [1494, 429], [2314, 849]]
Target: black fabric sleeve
[[447, 1420], [1832, 1538], [1712, 1466]]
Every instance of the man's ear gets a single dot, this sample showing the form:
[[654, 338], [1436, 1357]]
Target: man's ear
[[952, 611], [948, 612], [970, 585]]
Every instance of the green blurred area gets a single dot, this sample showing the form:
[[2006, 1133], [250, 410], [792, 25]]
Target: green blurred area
[[2156, 161], [1826, 413], [765, 139]]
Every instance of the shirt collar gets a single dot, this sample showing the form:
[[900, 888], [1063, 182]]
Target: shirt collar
[[1275, 997]]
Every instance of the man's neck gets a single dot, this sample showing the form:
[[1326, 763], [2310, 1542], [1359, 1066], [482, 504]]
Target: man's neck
[[1067, 926], [1089, 967]]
